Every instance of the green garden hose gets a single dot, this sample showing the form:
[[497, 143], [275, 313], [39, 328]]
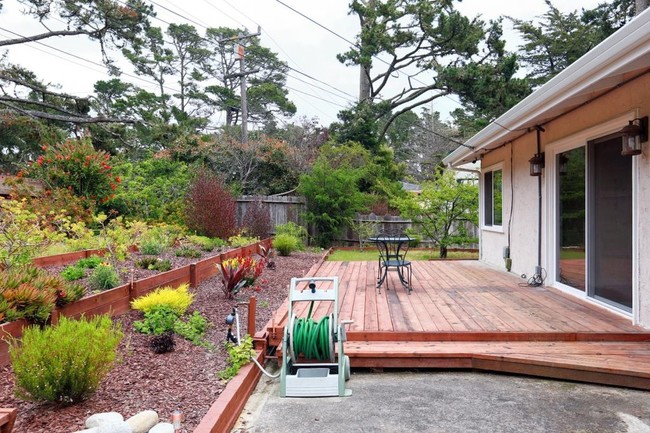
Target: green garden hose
[[311, 338]]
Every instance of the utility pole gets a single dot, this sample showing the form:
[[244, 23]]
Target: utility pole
[[242, 74]]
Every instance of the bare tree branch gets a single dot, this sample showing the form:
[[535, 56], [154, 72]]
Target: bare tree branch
[[60, 118]]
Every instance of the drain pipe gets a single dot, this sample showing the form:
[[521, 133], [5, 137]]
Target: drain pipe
[[537, 278]]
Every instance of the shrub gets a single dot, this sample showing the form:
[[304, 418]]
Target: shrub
[[151, 247], [89, 262], [238, 356], [193, 329], [157, 321], [241, 241], [72, 273], [285, 244], [64, 363], [73, 292], [210, 208], [75, 165], [163, 343], [206, 243], [104, 277], [257, 219], [187, 251], [178, 299], [295, 230]]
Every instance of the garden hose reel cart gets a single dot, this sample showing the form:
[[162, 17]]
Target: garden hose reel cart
[[311, 367]]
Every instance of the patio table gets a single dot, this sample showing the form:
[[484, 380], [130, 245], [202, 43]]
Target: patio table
[[392, 254]]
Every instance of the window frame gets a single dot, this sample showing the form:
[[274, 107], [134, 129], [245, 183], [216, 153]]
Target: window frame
[[487, 193]]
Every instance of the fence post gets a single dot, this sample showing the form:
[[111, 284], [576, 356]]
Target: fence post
[[193, 281], [252, 310]]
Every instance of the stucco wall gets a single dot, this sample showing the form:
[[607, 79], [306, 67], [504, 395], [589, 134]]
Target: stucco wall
[[633, 96]]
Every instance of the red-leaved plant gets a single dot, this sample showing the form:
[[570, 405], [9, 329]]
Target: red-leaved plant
[[238, 273], [211, 209]]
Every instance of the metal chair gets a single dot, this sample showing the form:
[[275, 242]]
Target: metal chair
[[392, 254]]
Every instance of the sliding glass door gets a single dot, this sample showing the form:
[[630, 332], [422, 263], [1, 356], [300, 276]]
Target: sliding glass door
[[594, 221]]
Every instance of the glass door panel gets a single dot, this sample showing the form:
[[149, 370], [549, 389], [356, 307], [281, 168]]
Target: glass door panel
[[571, 267]]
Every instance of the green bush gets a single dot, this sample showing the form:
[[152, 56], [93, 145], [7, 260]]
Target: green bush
[[157, 321], [72, 273], [242, 241], [64, 363], [89, 262], [295, 230], [193, 329], [151, 247], [154, 264], [206, 243], [187, 251], [104, 277], [285, 244], [238, 356], [73, 292]]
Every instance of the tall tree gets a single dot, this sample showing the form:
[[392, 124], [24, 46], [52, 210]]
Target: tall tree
[[109, 23], [415, 40], [560, 39]]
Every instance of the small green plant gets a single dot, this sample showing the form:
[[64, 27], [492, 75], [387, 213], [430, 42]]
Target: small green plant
[[73, 292], [64, 363], [295, 230], [89, 262], [238, 356], [157, 321], [104, 277], [285, 244], [151, 247], [187, 251], [178, 299], [72, 273], [205, 243], [242, 241], [193, 329], [154, 264]]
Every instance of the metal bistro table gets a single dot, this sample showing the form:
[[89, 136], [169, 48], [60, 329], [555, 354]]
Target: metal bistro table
[[392, 254]]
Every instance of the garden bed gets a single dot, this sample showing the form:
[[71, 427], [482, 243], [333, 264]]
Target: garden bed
[[186, 379]]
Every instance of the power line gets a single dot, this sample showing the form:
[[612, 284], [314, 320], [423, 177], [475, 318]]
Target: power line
[[316, 97]]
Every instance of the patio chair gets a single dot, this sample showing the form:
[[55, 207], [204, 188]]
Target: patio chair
[[392, 254]]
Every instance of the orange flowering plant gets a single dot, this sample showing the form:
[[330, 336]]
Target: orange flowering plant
[[238, 273], [75, 165]]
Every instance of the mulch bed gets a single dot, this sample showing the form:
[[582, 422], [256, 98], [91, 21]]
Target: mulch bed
[[185, 379]]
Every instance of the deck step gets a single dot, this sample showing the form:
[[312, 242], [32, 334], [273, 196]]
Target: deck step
[[611, 363]]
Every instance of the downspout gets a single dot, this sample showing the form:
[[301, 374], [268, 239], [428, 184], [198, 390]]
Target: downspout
[[538, 279]]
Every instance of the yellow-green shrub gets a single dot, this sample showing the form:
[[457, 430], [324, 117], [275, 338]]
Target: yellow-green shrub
[[178, 299], [64, 363]]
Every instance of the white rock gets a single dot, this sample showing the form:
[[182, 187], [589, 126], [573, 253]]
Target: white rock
[[114, 427], [143, 421], [89, 430], [163, 427], [102, 418]]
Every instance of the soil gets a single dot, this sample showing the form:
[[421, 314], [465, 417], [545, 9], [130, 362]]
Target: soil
[[185, 379]]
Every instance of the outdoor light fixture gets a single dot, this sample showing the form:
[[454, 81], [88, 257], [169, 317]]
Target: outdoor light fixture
[[536, 164], [633, 135]]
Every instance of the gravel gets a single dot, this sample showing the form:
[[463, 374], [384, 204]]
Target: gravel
[[185, 379]]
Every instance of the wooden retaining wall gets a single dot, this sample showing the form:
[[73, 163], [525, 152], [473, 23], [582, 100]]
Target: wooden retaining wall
[[117, 301]]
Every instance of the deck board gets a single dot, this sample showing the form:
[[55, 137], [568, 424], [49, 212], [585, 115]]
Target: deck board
[[465, 314]]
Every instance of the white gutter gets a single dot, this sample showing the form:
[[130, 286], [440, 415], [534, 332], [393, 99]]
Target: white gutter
[[628, 45]]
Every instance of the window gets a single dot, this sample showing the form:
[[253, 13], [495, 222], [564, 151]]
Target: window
[[493, 195]]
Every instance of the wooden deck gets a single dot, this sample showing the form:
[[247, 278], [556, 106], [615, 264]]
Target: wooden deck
[[464, 314]]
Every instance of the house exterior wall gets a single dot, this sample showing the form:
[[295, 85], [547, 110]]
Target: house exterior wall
[[602, 116]]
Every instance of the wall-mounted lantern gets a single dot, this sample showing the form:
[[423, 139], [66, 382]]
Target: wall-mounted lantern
[[563, 163], [633, 135], [536, 164]]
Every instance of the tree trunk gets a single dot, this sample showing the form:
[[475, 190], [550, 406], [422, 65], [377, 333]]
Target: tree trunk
[[443, 252]]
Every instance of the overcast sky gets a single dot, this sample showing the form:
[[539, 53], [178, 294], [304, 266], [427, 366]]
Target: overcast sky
[[304, 45]]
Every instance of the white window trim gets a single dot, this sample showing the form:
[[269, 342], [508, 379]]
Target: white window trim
[[491, 228]]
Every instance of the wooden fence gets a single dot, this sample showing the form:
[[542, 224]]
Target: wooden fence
[[117, 301], [282, 209]]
